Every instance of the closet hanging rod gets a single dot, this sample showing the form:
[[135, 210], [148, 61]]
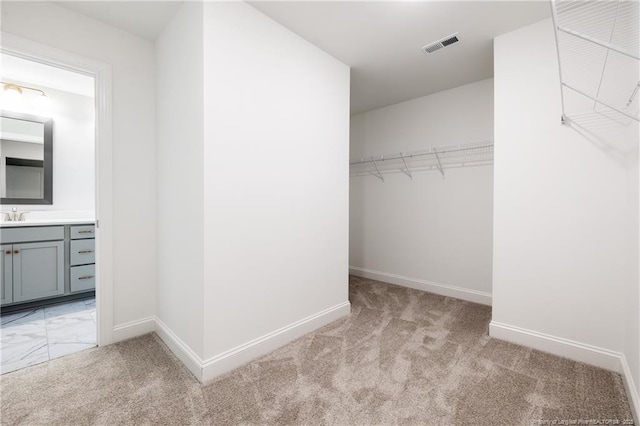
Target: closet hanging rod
[[432, 167], [601, 102], [431, 151]]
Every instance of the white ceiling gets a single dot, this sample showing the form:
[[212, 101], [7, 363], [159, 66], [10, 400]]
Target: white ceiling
[[381, 41], [37, 74], [145, 19]]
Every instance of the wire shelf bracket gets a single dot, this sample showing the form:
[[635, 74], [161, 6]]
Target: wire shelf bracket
[[439, 163], [633, 94], [377, 174], [406, 170]]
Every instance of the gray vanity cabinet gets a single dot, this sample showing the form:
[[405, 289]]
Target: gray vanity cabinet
[[32, 263], [38, 270], [42, 262]]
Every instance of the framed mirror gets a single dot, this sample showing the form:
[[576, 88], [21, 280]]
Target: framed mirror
[[26, 159]]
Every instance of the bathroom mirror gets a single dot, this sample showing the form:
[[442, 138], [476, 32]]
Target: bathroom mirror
[[26, 159]]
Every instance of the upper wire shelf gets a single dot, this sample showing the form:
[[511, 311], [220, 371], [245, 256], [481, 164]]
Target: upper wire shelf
[[598, 43], [435, 158]]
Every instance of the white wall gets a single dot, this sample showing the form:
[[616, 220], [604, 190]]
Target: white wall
[[429, 229], [632, 319], [631, 349], [276, 194], [73, 151], [632, 296], [180, 184], [134, 188], [252, 241], [565, 210]]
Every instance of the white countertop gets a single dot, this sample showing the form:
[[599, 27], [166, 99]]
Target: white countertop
[[45, 222]]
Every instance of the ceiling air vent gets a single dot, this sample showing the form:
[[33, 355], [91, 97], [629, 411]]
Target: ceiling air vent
[[440, 44]]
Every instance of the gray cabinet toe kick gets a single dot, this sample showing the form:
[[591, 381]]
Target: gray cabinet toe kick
[[46, 262]]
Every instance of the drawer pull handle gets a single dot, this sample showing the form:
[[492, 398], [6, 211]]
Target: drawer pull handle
[[86, 277], [7, 252], [16, 251], [88, 231], [85, 251]]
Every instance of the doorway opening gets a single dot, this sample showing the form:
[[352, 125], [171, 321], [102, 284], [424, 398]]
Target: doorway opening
[[53, 251]]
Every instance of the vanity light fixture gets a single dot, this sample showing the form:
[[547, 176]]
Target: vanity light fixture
[[14, 92]]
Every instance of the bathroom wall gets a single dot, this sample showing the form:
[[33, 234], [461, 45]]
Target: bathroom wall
[[132, 62], [73, 151], [433, 233], [566, 215]]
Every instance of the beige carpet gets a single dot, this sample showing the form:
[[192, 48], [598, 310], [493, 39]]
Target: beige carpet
[[401, 357]]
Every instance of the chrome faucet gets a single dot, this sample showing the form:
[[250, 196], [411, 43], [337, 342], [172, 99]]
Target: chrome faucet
[[14, 215]]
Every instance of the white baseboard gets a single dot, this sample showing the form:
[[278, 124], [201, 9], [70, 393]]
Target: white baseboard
[[180, 349], [133, 329], [424, 285], [632, 390], [236, 357], [577, 351], [242, 354], [604, 358]]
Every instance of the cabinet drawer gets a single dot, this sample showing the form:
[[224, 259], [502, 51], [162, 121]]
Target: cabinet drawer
[[32, 233], [83, 231], [83, 278], [82, 252]]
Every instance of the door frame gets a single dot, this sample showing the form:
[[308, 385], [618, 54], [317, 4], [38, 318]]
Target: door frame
[[101, 72]]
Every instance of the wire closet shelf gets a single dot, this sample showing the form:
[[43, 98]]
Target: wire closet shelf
[[435, 158], [598, 44]]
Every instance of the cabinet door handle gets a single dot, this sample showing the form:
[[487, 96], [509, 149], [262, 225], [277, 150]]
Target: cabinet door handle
[[87, 277], [89, 231], [85, 251], [16, 251], [7, 252]]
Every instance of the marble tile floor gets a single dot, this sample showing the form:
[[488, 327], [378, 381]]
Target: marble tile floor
[[39, 335]]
